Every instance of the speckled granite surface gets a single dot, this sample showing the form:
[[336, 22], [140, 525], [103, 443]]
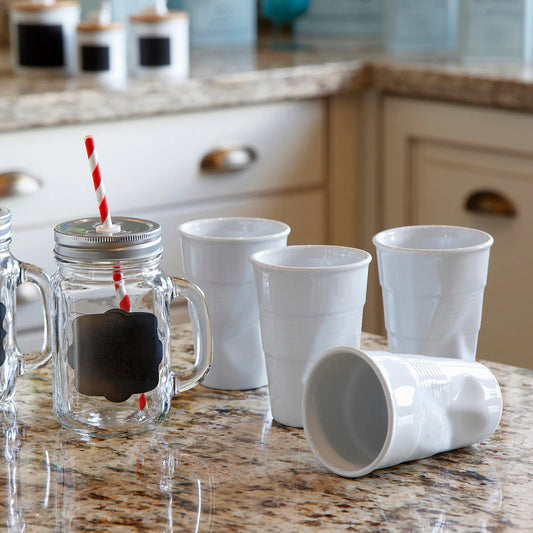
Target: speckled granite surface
[[247, 76], [219, 463]]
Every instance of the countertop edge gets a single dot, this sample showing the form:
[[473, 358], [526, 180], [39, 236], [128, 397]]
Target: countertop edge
[[53, 102]]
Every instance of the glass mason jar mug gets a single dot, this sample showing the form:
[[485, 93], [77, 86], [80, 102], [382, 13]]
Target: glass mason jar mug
[[112, 370], [13, 273]]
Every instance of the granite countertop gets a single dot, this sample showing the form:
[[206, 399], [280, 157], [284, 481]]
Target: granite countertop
[[245, 76], [219, 463]]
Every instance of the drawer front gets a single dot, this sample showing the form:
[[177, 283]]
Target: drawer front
[[153, 162], [305, 212], [444, 178]]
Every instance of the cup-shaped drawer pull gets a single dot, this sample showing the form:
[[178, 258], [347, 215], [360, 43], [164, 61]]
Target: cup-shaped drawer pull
[[493, 203], [18, 184], [228, 160]]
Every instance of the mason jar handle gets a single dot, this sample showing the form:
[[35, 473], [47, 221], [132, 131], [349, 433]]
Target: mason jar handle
[[33, 274], [187, 379]]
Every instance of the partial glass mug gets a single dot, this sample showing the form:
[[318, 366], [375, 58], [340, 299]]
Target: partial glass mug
[[13, 273], [112, 372]]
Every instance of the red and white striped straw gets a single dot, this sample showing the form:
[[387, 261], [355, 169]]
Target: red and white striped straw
[[108, 227], [120, 287], [105, 215]]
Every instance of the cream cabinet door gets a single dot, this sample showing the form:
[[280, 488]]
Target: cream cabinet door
[[439, 161]]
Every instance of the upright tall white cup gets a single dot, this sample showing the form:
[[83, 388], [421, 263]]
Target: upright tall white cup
[[369, 410], [216, 256], [433, 280], [311, 299]]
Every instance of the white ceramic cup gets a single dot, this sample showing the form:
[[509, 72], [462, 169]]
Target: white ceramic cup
[[433, 280], [311, 299], [369, 410], [216, 257]]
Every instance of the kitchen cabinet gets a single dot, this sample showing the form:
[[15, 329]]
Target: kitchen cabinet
[[267, 160], [468, 166]]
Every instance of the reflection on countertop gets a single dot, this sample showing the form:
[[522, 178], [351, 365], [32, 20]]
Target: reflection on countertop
[[219, 463], [237, 76]]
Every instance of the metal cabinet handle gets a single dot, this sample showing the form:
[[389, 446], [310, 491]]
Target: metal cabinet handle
[[491, 203], [228, 160], [17, 184]]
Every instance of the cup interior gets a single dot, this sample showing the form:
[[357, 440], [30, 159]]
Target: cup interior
[[430, 238], [346, 414], [312, 256], [234, 228]]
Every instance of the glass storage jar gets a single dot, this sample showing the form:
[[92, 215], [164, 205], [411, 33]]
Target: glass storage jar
[[112, 370], [12, 274]]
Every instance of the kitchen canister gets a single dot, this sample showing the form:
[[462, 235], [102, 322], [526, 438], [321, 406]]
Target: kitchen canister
[[159, 44], [43, 36], [13, 273], [102, 49], [112, 369]]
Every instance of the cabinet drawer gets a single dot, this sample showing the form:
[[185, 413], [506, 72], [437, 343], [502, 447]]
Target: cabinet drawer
[[444, 178], [153, 162], [305, 212]]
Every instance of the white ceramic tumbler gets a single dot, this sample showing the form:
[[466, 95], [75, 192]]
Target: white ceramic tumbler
[[433, 280], [216, 255], [369, 410], [311, 299]]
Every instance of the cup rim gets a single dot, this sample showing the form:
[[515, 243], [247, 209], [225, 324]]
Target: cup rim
[[259, 258], [487, 242], [374, 464], [183, 229]]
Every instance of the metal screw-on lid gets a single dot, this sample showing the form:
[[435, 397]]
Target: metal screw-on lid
[[83, 239], [5, 224]]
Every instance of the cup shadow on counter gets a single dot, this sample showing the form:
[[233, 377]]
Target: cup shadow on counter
[[76, 485]]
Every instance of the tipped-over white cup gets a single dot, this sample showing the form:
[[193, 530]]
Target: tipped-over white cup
[[433, 280], [311, 299], [368, 410], [216, 256]]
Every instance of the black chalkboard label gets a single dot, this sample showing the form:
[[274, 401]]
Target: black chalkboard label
[[3, 333], [94, 58], [41, 45], [115, 354], [155, 51]]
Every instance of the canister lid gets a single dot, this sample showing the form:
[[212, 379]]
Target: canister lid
[[82, 239], [154, 18], [5, 224], [90, 26]]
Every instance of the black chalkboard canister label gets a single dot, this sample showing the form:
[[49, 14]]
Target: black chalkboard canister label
[[95, 58], [115, 354], [154, 51], [41, 45]]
